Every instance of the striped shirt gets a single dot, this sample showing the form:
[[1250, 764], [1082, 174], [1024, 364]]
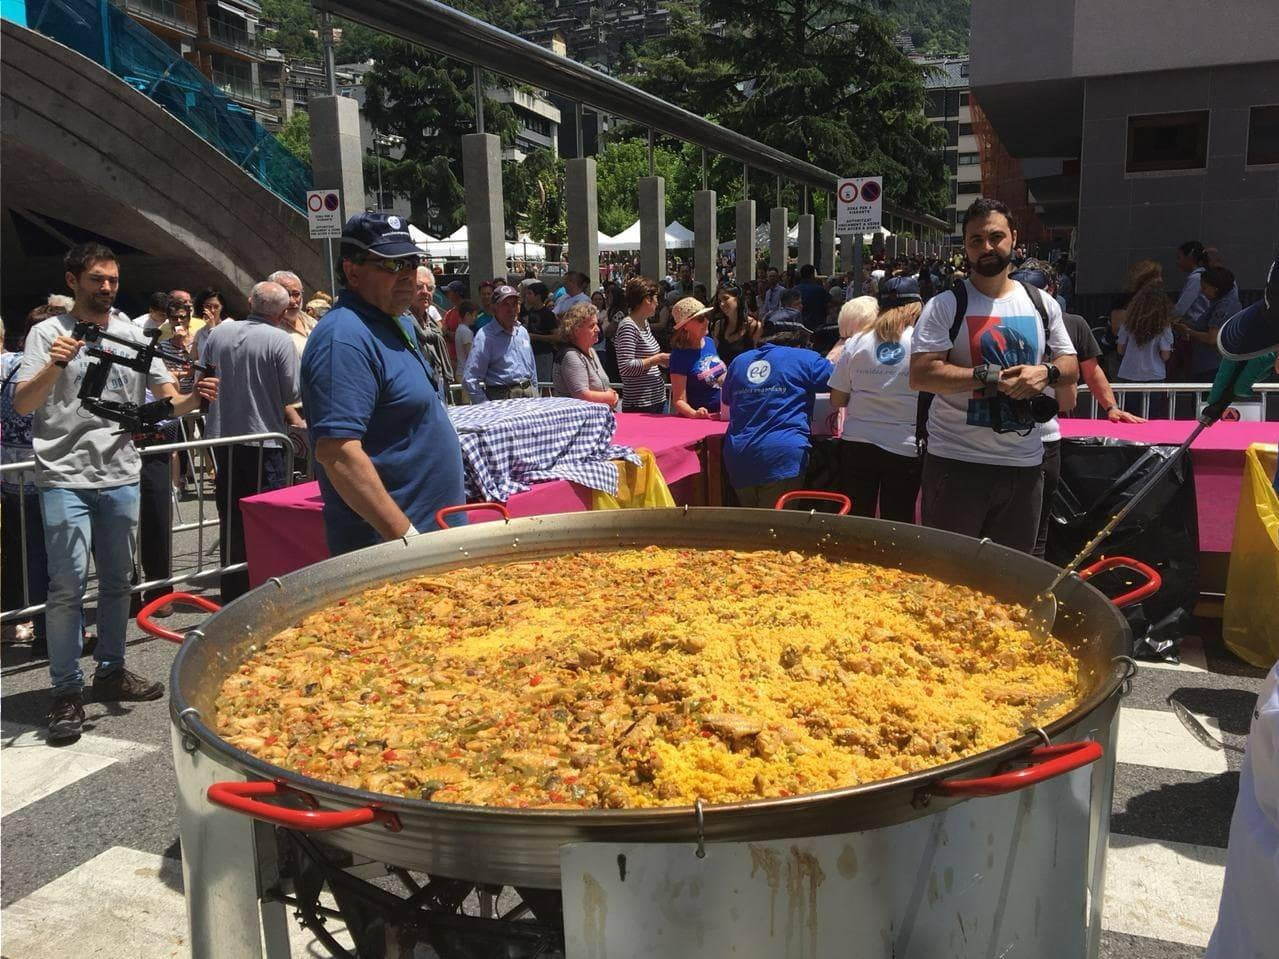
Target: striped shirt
[[632, 345]]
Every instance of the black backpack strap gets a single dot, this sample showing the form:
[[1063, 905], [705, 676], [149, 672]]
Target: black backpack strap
[[925, 402], [1041, 308]]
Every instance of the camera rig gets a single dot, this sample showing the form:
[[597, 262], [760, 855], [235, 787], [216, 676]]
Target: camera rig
[[133, 417]]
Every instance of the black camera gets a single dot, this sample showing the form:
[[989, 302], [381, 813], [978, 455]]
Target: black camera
[[1019, 416]]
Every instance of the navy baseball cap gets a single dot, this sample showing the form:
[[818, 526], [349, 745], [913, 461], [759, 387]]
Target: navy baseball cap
[[457, 286], [380, 234], [1253, 330], [897, 290]]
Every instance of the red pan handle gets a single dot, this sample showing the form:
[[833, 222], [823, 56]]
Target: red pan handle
[[467, 508], [177, 599], [1045, 763], [1147, 589], [845, 504], [248, 799]]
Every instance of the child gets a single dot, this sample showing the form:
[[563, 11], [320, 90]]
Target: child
[[464, 338]]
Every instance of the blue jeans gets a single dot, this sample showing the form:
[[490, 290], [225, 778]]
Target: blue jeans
[[75, 521]]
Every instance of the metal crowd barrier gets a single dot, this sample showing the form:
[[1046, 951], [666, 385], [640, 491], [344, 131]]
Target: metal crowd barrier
[[1172, 401], [199, 573]]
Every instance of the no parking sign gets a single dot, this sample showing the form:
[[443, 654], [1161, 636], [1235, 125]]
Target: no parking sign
[[324, 214], [860, 204]]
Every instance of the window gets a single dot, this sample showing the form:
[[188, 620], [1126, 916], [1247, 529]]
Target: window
[[969, 159], [1168, 141], [1263, 135], [963, 99], [935, 104], [965, 129], [972, 186]]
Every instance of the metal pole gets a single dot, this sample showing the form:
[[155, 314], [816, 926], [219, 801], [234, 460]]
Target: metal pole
[[333, 280], [804, 191], [650, 151], [577, 129], [746, 181], [779, 192], [477, 88], [704, 180], [330, 69]]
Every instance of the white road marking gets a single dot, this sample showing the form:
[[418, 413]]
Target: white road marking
[[1163, 890], [1193, 659], [121, 904], [31, 769], [1156, 737]]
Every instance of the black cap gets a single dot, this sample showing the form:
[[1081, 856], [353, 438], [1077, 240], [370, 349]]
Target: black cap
[[380, 234], [457, 286], [897, 290], [1254, 330]]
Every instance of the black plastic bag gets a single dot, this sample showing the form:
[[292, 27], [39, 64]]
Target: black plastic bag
[[1099, 476]]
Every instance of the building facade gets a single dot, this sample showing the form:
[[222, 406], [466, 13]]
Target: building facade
[[1140, 125], [947, 103], [220, 37]]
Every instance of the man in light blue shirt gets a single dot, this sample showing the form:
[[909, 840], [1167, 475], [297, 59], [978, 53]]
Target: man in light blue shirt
[[1191, 303], [501, 365]]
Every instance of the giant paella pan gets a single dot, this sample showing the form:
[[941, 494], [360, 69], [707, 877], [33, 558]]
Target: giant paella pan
[[671, 755]]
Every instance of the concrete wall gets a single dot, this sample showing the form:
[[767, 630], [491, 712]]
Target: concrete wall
[[84, 148], [1125, 217], [1017, 42]]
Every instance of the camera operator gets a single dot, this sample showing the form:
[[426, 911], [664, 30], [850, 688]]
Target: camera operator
[[986, 364], [87, 474]]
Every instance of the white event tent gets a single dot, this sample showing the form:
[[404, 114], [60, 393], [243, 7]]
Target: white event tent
[[677, 237]]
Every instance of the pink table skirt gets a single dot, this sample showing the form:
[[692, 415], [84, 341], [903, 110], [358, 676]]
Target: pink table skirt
[[1217, 456], [284, 529]]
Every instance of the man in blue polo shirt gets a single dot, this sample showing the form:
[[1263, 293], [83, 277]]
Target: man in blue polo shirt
[[770, 393], [389, 456]]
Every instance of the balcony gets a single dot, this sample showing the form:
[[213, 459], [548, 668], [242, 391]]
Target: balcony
[[229, 36], [165, 13], [241, 89]]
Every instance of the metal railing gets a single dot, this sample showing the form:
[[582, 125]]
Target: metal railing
[[239, 88], [1173, 401], [162, 11], [201, 572]]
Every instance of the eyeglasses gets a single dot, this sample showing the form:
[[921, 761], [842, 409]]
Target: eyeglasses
[[397, 265]]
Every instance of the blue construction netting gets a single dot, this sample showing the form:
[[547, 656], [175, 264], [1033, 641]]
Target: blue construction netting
[[110, 37]]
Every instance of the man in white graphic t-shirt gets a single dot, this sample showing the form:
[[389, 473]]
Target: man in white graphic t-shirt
[[981, 474]]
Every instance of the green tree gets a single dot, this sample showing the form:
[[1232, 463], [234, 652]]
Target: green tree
[[533, 192], [295, 135], [295, 36], [819, 79], [935, 26]]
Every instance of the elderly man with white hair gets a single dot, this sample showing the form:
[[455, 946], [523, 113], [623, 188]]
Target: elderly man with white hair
[[295, 320], [256, 356]]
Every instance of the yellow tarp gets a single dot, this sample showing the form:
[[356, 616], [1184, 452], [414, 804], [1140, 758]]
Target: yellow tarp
[[638, 487], [1250, 623]]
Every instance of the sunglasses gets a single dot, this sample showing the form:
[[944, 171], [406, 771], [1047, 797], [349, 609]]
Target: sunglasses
[[397, 265]]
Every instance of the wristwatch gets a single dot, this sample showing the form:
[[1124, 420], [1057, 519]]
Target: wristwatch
[[982, 374], [1054, 374]]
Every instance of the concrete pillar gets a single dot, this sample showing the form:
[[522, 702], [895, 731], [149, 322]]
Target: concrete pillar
[[337, 155], [745, 270], [827, 257], [806, 225], [652, 214], [778, 227], [485, 227], [705, 239], [582, 211]]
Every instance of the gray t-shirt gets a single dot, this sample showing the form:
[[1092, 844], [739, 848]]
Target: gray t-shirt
[[577, 371], [73, 447], [258, 372]]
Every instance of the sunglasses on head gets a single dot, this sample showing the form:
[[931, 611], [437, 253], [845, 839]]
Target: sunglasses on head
[[397, 265]]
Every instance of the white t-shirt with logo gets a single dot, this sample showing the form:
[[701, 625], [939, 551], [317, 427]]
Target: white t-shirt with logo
[[881, 405], [1003, 332]]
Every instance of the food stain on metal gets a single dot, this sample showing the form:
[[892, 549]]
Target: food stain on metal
[[948, 878], [766, 860], [933, 892], [594, 917], [804, 875], [847, 862]]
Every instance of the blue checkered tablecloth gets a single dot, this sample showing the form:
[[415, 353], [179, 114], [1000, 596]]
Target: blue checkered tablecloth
[[508, 445]]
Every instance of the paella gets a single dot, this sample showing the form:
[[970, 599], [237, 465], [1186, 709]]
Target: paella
[[639, 678]]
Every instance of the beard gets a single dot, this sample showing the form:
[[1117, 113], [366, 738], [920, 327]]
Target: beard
[[991, 264]]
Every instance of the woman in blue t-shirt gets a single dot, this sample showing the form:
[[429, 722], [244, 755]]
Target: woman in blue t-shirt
[[697, 372]]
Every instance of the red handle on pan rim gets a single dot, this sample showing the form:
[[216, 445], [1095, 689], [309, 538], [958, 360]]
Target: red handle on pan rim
[[1046, 762], [845, 504], [1147, 589], [247, 799], [466, 508], [175, 599]]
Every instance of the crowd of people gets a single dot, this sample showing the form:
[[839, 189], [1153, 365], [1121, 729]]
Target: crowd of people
[[947, 374]]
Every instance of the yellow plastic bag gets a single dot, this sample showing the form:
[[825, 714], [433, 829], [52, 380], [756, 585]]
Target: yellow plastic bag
[[1250, 623], [638, 487]]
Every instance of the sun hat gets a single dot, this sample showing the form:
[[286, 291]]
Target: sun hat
[[689, 308]]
